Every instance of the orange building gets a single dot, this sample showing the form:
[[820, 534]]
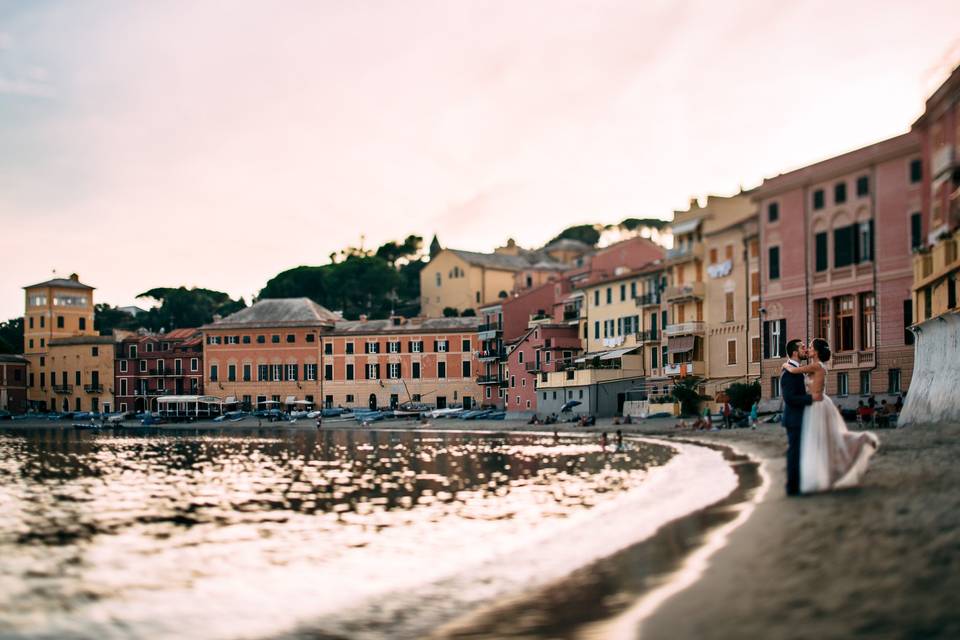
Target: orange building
[[267, 355]]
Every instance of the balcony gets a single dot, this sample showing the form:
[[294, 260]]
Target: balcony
[[686, 252], [683, 329], [692, 291], [942, 161], [532, 367], [93, 388], [648, 336], [571, 314], [852, 360], [494, 379], [490, 354], [648, 300], [488, 330], [695, 368], [63, 388]]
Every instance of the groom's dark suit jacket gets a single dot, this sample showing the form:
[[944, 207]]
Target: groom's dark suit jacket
[[795, 398]]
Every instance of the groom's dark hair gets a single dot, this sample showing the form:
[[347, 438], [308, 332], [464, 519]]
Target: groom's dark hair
[[793, 346]]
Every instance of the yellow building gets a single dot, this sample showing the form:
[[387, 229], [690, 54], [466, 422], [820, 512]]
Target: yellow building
[[462, 280], [710, 295], [81, 373], [732, 294], [57, 308]]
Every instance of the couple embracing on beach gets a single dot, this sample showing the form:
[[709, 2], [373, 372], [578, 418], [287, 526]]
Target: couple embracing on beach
[[822, 454]]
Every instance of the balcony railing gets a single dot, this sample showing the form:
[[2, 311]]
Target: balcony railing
[[684, 368], [648, 336], [494, 379], [571, 314], [63, 388], [683, 328], [648, 300], [685, 252], [489, 326], [491, 354], [942, 160], [93, 388], [684, 291], [532, 367]]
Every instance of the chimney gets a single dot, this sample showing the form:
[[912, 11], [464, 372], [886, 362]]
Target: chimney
[[75, 277], [217, 317], [363, 317]]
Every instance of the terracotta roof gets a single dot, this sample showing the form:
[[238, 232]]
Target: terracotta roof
[[178, 334], [277, 312], [412, 325], [602, 278], [65, 283]]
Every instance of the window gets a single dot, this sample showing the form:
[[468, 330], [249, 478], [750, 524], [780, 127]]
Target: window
[[864, 382], [821, 319], [261, 339], [275, 339], [441, 346], [31, 321], [371, 347], [596, 329], [76, 377], [42, 321], [310, 372], [123, 386], [82, 323], [59, 322], [194, 364], [916, 230], [231, 373], [328, 348], [863, 186], [311, 337], [393, 370], [327, 372], [95, 351], [263, 372], [731, 352], [821, 262], [291, 372], [893, 380], [123, 366], [466, 368], [775, 338], [415, 370], [728, 253], [843, 243], [231, 340], [441, 369], [276, 371], [775, 387], [150, 345], [754, 308], [773, 211], [623, 292], [213, 371], [818, 199], [609, 295], [246, 339], [755, 349], [596, 297], [393, 346], [464, 345], [713, 255], [843, 383], [349, 348], [246, 372], [371, 371], [653, 358], [349, 371], [844, 338], [774, 263], [916, 170], [865, 241], [633, 289], [840, 193], [133, 351], [729, 306], [754, 248], [868, 321], [907, 321], [143, 366]]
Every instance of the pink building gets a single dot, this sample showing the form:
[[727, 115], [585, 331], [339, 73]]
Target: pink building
[[939, 131], [538, 349], [836, 243]]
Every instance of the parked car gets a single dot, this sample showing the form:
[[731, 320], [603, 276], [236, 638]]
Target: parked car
[[5, 415]]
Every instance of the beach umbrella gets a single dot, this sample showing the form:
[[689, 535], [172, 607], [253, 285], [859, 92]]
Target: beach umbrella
[[570, 404]]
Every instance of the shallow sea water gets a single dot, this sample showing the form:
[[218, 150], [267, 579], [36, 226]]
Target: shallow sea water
[[272, 532]]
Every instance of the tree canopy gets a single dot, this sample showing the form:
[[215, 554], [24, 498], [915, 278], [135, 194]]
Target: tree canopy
[[11, 336], [588, 233]]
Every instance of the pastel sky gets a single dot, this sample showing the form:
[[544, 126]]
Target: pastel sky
[[215, 144]]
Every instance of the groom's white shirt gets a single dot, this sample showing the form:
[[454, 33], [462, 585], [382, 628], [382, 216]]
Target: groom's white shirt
[[793, 363]]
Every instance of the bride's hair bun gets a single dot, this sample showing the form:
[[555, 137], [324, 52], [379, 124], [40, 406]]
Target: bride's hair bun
[[822, 348]]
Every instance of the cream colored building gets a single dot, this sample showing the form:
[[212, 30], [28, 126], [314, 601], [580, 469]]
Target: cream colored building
[[57, 308], [712, 292], [81, 370]]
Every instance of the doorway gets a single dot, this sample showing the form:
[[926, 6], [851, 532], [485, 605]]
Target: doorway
[[441, 402], [373, 401], [394, 400]]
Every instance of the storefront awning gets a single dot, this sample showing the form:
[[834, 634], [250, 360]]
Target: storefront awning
[[682, 344], [230, 400], [291, 399], [685, 227], [617, 353]]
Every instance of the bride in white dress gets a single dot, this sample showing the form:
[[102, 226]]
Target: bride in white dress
[[831, 456]]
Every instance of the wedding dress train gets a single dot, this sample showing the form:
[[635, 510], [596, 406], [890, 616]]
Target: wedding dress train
[[832, 456]]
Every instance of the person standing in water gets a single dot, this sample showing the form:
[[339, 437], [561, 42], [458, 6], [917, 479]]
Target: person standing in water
[[603, 441], [619, 440]]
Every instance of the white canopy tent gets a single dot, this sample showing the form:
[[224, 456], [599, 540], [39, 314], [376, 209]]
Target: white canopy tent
[[189, 406]]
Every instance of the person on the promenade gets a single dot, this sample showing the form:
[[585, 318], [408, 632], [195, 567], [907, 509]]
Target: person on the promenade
[[603, 441], [726, 414], [899, 404], [619, 440], [795, 399], [754, 414], [831, 456]]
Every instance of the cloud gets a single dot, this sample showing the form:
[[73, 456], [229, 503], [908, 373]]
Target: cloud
[[23, 87]]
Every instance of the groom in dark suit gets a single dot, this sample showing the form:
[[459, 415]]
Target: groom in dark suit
[[795, 398]]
